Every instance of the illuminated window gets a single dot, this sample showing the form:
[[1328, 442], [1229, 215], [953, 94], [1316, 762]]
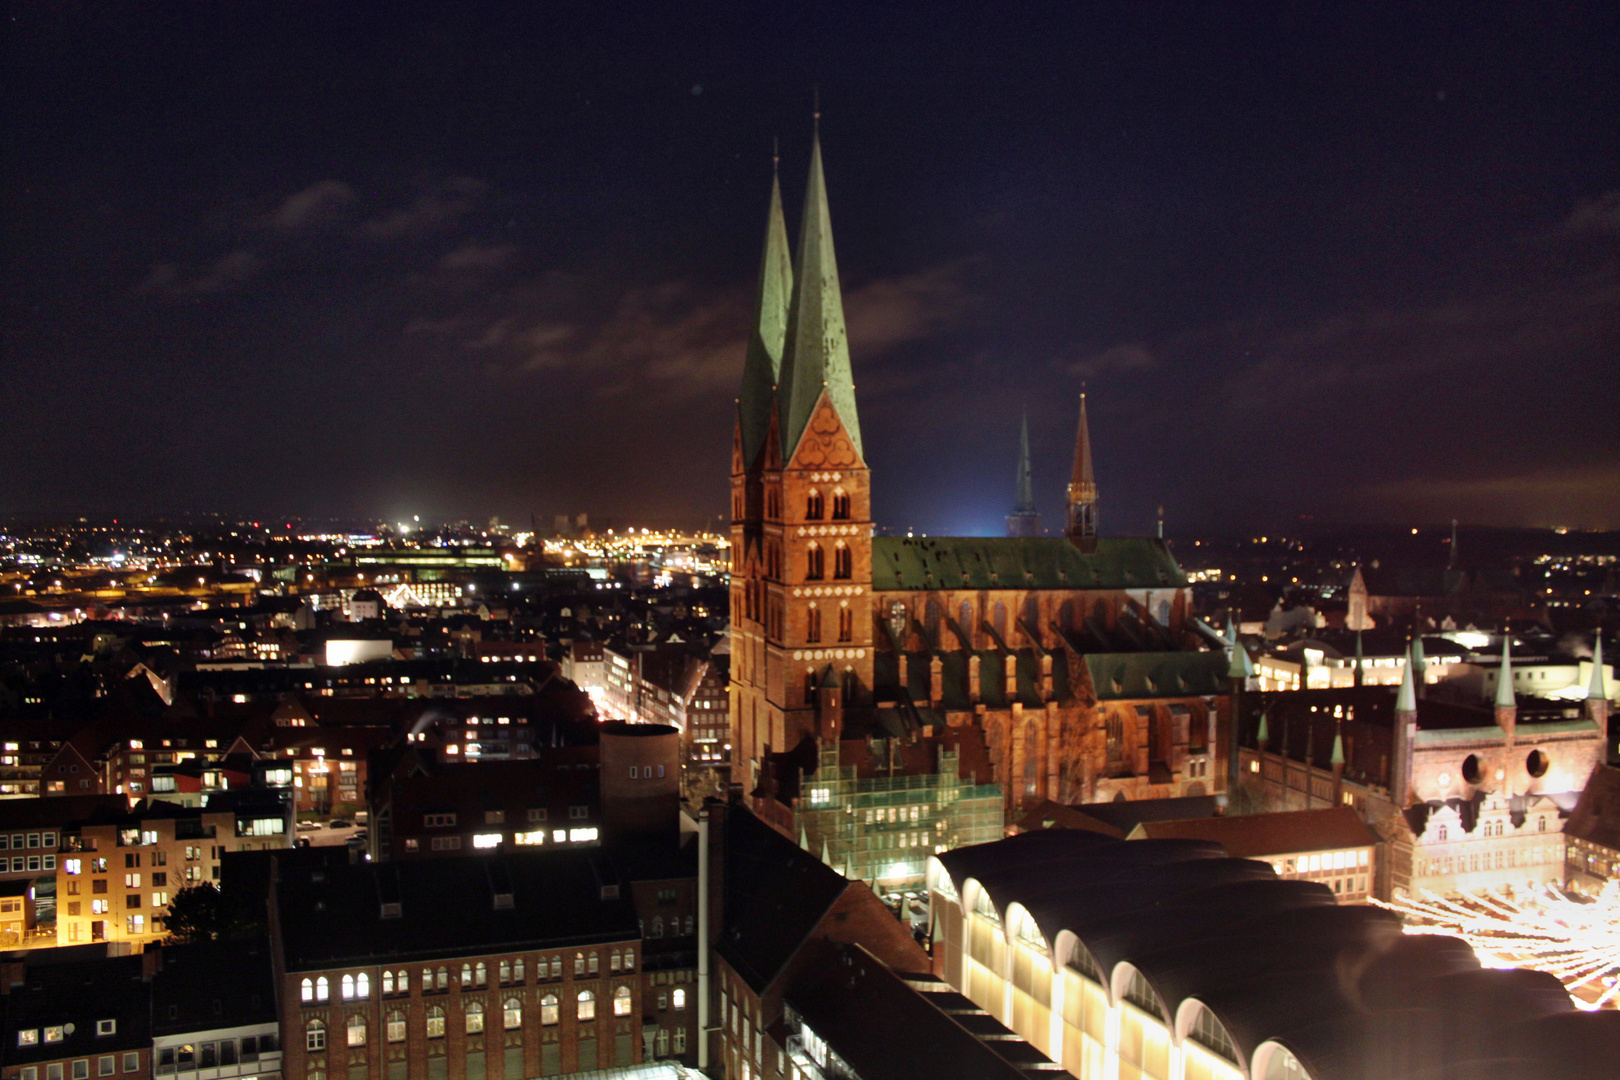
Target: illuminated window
[[474, 1018], [315, 1036], [307, 990], [587, 1005], [322, 989], [396, 1026], [435, 1022], [549, 1010], [356, 1031], [512, 1014], [621, 1001]]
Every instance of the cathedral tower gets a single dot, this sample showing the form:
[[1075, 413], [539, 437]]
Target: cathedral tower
[[1024, 520], [1083, 489], [814, 622]]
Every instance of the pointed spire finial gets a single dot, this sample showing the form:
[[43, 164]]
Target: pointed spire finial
[[1595, 689], [1406, 697], [1083, 486], [1505, 698]]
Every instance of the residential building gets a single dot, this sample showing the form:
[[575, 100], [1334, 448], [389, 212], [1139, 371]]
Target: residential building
[[499, 967], [214, 1011], [72, 1016]]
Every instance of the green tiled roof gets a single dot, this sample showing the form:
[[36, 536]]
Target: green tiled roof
[[1526, 732], [903, 564], [1156, 674]]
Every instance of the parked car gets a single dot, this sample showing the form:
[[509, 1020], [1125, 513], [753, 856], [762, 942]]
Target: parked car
[[306, 826], [339, 823]]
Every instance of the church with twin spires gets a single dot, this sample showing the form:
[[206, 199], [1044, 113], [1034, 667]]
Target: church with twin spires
[[1028, 667]]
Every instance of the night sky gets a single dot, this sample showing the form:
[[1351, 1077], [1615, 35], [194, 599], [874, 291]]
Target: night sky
[[1354, 261]]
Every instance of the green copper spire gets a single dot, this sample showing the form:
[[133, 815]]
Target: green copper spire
[[1594, 689], [1418, 658], [1262, 736], [1231, 631], [817, 353], [1338, 747], [1026, 477], [767, 334], [1241, 667], [1504, 680], [1406, 697]]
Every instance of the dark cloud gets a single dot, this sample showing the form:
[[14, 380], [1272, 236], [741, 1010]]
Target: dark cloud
[[475, 257], [434, 209], [1599, 216], [169, 281], [1116, 359], [1581, 495], [893, 311], [322, 203]]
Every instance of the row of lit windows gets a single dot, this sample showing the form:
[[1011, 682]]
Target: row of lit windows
[[358, 987], [434, 1026]]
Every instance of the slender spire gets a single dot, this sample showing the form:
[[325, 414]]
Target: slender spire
[[1504, 680], [1406, 697], [1338, 745], [1083, 485], [817, 353], [1024, 520], [1263, 736], [1419, 661], [1595, 690], [1359, 661], [1026, 480], [762, 363], [1240, 667]]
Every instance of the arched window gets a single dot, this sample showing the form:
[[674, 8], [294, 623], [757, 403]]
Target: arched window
[[678, 999], [348, 988], [579, 964], [362, 986], [402, 982], [591, 964], [435, 1022], [814, 566], [629, 960], [840, 505], [843, 560], [964, 619], [548, 1009], [442, 979], [506, 972], [812, 624], [466, 975], [480, 974], [474, 1017], [323, 989], [517, 970], [512, 1013], [587, 1005], [846, 625], [657, 927], [396, 1027], [306, 991], [388, 982], [314, 1036], [621, 1001], [356, 1030], [931, 617], [813, 506], [427, 979]]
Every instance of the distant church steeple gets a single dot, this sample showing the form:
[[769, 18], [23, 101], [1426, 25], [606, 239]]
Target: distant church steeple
[[1024, 520], [1083, 488]]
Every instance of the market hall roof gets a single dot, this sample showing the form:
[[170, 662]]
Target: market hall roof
[[1280, 962], [910, 564]]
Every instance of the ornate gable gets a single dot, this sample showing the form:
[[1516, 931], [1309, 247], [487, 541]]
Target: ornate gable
[[826, 443]]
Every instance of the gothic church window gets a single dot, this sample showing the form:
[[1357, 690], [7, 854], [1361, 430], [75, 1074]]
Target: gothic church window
[[964, 619], [846, 625], [840, 505], [842, 560], [814, 564], [812, 625], [814, 506]]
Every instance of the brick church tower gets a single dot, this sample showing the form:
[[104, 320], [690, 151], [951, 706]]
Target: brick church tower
[[801, 528]]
